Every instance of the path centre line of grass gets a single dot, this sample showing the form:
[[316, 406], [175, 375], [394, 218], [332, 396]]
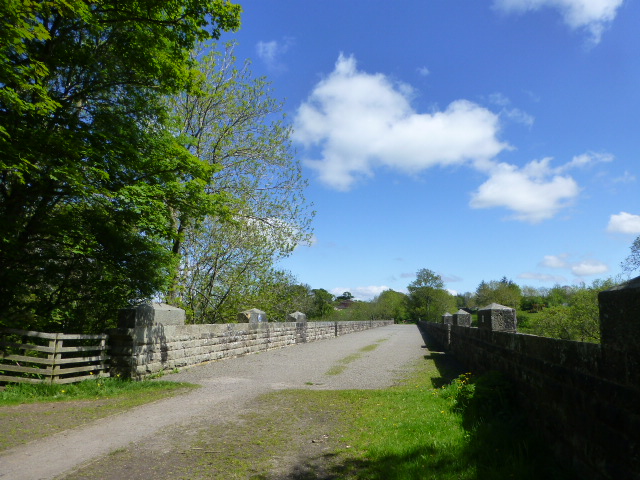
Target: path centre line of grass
[[344, 362]]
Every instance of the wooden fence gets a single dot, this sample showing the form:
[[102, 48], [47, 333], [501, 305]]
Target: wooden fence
[[35, 357]]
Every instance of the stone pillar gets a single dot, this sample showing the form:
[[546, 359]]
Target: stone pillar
[[297, 317], [497, 318], [447, 319], [252, 316], [149, 315], [462, 318], [620, 316]]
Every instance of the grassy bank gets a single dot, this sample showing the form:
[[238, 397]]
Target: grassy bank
[[32, 411]]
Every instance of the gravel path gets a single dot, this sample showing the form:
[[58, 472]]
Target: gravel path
[[228, 387]]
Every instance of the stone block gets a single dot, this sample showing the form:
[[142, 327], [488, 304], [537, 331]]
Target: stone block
[[497, 318], [447, 319], [150, 315], [462, 318], [252, 316], [297, 317]]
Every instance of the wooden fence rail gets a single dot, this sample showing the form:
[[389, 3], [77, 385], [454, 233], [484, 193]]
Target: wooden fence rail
[[36, 357]]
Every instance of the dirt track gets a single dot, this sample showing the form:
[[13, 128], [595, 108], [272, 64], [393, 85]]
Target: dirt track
[[228, 387]]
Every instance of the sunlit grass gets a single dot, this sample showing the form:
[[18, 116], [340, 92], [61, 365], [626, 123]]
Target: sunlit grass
[[15, 394]]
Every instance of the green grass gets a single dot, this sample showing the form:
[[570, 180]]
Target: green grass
[[343, 363], [461, 430], [32, 411], [15, 394]]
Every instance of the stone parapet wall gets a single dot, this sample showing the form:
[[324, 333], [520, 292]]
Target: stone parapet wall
[[146, 350], [580, 396]]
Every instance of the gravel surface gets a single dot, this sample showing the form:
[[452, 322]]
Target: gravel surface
[[229, 387]]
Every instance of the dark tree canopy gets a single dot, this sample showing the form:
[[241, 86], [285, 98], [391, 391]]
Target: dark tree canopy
[[90, 173]]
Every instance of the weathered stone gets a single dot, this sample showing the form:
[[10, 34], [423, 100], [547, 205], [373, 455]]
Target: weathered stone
[[462, 318], [252, 316], [447, 319], [498, 318], [149, 315], [620, 317], [297, 317]]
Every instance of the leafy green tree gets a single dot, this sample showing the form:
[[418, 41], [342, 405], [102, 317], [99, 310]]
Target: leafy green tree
[[504, 292], [428, 300], [579, 319], [392, 305], [236, 127], [322, 305], [559, 295], [344, 296], [91, 174], [533, 299]]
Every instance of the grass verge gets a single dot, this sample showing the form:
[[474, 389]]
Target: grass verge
[[32, 411], [343, 363]]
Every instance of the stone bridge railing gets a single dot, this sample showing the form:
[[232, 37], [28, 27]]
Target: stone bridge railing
[[583, 397], [154, 338]]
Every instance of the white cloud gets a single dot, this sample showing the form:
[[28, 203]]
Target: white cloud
[[270, 52], [624, 223], [555, 261], [509, 112], [586, 159], [543, 277], [581, 268], [534, 193], [588, 267], [361, 293], [594, 16], [424, 71], [360, 121]]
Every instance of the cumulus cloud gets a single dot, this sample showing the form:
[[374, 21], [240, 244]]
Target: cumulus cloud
[[593, 16], [624, 223], [360, 121], [355, 122], [534, 192], [424, 71]]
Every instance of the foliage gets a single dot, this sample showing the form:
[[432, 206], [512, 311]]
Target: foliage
[[91, 175], [504, 292], [632, 262], [428, 300], [392, 305], [322, 304], [227, 264], [577, 318]]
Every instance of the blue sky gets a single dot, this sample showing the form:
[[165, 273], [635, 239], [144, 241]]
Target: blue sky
[[477, 139]]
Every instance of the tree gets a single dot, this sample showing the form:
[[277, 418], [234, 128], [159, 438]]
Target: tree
[[428, 300], [322, 304], [504, 292], [91, 175], [579, 319], [235, 126], [345, 296], [391, 305], [632, 262]]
